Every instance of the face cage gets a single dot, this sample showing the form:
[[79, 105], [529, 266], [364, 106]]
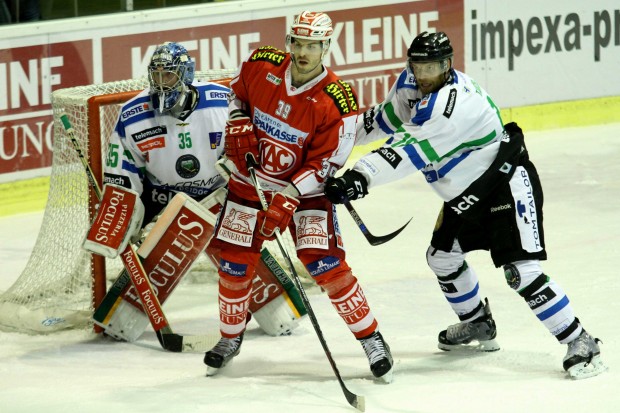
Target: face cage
[[157, 78], [429, 69]]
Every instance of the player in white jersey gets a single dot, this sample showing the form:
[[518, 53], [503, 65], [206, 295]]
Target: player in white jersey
[[441, 122], [168, 138]]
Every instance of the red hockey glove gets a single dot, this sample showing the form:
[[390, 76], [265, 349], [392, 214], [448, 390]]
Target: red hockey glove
[[277, 216], [239, 140]]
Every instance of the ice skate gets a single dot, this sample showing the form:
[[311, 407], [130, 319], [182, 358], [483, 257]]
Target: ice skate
[[583, 357], [223, 352], [481, 330], [379, 356]]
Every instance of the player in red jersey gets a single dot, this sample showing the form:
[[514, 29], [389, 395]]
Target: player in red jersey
[[298, 120]]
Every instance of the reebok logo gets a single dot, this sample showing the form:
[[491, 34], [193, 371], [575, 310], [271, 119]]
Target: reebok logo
[[501, 208]]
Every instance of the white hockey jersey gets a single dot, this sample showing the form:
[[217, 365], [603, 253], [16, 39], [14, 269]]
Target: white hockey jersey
[[173, 155], [451, 135]]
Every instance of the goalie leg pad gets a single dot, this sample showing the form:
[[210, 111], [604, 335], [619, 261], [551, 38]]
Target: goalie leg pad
[[275, 303], [177, 238], [278, 317]]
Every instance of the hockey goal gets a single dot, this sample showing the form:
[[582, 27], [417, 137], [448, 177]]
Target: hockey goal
[[61, 283]]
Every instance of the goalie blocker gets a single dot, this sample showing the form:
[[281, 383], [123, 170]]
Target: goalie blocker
[[119, 216], [178, 236]]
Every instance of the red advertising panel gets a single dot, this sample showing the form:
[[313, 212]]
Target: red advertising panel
[[223, 46], [369, 46], [28, 75]]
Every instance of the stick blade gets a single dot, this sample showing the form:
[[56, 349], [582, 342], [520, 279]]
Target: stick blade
[[177, 343], [378, 240], [356, 401]]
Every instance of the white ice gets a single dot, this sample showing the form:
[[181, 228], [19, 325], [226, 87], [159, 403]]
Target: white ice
[[580, 169]]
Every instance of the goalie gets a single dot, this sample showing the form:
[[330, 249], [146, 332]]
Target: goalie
[[162, 157]]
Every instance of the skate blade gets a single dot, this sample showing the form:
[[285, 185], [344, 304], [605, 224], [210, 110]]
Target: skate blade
[[586, 370], [484, 346], [212, 371], [387, 378]]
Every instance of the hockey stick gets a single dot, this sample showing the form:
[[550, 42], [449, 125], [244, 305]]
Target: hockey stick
[[133, 266], [372, 239], [354, 400]]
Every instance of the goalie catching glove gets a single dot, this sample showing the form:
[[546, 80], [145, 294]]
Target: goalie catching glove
[[119, 217], [350, 186], [277, 216], [239, 140]]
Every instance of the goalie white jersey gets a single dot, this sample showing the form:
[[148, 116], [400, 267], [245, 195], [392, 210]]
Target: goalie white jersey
[[169, 155], [432, 133]]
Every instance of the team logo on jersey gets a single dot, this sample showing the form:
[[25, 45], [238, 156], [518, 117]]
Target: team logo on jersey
[[149, 133], [274, 79], [182, 124], [238, 224], [268, 54], [311, 229], [187, 166], [135, 110], [424, 102], [342, 95], [447, 112], [390, 156], [276, 159], [214, 139]]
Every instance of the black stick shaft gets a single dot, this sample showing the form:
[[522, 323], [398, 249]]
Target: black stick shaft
[[354, 400]]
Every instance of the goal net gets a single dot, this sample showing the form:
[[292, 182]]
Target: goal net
[[61, 284]]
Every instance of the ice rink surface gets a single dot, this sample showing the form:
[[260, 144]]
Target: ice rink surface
[[580, 170]]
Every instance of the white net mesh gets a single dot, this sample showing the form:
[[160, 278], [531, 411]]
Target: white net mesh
[[55, 290]]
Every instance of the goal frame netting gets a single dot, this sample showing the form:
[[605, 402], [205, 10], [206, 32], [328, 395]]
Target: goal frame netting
[[61, 284]]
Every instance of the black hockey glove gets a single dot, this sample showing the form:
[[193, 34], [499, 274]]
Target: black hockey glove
[[348, 187]]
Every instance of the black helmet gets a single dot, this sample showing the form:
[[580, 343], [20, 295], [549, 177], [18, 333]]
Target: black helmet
[[429, 47]]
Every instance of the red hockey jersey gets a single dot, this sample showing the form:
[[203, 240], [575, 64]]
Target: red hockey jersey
[[305, 134]]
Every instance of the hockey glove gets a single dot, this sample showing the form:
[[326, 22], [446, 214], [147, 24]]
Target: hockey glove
[[277, 216], [348, 187], [240, 139]]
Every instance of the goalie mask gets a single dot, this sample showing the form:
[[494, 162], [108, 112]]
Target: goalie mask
[[310, 25], [171, 71]]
